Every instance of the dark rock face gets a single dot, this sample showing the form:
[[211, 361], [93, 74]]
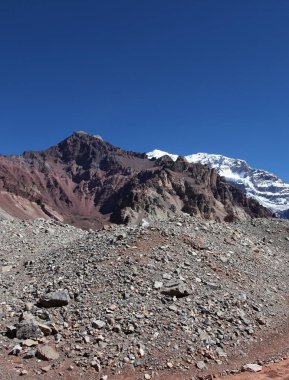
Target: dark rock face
[[87, 182]]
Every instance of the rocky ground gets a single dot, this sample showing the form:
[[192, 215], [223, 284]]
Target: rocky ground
[[180, 299]]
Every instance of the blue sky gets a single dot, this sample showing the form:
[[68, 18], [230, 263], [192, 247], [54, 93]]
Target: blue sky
[[183, 76]]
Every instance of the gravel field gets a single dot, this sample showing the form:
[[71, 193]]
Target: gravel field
[[178, 299]]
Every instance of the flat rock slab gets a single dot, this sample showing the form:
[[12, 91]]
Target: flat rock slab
[[47, 353]]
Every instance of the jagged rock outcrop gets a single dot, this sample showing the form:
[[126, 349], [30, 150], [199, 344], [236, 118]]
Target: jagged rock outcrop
[[87, 182], [266, 188]]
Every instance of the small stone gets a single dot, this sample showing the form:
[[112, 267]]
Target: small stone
[[147, 376], [29, 343], [55, 299], [117, 328], [112, 307], [98, 324], [47, 353], [45, 329], [46, 369], [25, 316], [176, 289], [212, 285], [170, 365], [29, 306], [86, 339], [144, 223], [224, 259], [28, 329], [121, 236], [23, 372], [96, 365], [58, 338], [252, 367], [16, 349], [221, 353], [201, 365], [158, 285], [30, 354]]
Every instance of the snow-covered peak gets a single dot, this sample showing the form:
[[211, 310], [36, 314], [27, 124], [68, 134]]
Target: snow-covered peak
[[265, 187], [160, 153]]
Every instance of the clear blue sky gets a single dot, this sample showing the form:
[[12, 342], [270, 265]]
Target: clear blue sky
[[183, 76]]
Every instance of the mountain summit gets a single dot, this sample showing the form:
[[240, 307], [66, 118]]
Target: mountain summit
[[266, 188], [88, 182]]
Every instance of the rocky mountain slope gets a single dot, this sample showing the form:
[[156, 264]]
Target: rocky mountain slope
[[88, 182], [269, 190], [179, 299]]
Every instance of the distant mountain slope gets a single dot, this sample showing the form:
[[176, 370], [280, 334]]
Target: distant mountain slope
[[269, 190], [87, 182]]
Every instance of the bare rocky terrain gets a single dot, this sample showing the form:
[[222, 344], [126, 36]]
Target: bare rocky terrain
[[183, 298], [174, 273], [87, 182]]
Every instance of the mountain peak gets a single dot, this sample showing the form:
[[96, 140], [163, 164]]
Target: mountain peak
[[83, 133], [269, 190], [80, 133]]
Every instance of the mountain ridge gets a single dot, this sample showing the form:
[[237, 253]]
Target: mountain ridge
[[261, 185], [88, 182]]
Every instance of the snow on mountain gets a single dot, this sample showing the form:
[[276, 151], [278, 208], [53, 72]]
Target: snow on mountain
[[269, 190]]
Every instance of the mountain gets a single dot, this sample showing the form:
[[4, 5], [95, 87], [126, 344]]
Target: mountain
[[269, 190], [88, 182]]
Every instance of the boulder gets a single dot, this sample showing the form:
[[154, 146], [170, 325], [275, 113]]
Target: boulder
[[55, 299]]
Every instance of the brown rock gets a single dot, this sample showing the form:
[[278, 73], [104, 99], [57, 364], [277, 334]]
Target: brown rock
[[29, 343], [47, 353]]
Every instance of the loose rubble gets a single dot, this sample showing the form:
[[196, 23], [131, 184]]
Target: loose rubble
[[183, 295]]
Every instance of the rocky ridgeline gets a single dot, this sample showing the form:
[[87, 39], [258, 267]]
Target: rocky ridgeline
[[266, 188], [182, 295], [87, 182]]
